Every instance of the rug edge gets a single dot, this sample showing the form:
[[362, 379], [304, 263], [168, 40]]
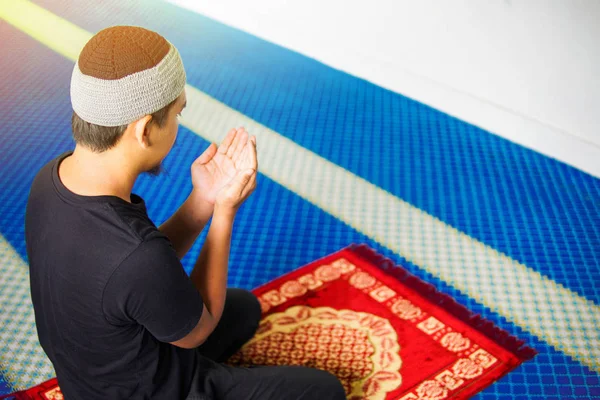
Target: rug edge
[[498, 335]]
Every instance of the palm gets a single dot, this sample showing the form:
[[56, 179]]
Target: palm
[[216, 168], [214, 175]]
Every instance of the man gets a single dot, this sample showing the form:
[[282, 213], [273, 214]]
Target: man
[[115, 312]]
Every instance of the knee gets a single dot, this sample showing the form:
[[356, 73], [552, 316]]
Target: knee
[[325, 385], [247, 306], [254, 307]]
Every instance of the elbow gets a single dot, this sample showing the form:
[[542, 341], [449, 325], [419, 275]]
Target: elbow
[[200, 333]]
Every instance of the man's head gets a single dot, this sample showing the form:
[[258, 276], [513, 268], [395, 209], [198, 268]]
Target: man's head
[[127, 88]]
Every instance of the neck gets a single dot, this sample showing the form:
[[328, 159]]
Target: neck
[[94, 174]]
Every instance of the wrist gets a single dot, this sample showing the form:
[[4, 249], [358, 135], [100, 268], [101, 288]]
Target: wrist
[[196, 209], [224, 213]]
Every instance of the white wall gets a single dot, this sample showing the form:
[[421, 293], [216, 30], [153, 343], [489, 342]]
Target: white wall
[[528, 70]]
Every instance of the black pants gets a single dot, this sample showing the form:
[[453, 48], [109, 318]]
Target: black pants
[[216, 381]]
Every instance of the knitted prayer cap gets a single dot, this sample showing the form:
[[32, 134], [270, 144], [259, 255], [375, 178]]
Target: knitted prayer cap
[[124, 73]]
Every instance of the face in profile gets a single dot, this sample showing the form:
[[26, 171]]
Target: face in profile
[[163, 138]]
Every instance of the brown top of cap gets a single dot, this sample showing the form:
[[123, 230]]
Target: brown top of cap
[[116, 52]]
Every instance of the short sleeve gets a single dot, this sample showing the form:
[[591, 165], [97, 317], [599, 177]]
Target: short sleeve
[[151, 288]]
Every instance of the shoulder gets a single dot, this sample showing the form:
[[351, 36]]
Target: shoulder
[[151, 287], [42, 182], [150, 265], [153, 253]]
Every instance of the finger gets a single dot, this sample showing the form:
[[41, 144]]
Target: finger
[[241, 144], [253, 154], [234, 143], [243, 180], [211, 168], [253, 140], [250, 185], [227, 141], [241, 162], [249, 157], [208, 154]]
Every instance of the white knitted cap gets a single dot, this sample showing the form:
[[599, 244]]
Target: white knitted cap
[[124, 73]]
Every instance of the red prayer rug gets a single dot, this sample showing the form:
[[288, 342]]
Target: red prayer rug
[[48, 390], [385, 333]]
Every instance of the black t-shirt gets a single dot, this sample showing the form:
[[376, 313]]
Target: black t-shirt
[[109, 294]]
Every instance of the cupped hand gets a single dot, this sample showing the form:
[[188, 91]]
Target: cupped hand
[[226, 175]]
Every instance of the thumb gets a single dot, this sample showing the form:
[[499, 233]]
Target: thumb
[[207, 155], [243, 179], [246, 175]]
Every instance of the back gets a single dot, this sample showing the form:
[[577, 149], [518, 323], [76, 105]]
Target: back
[[109, 293]]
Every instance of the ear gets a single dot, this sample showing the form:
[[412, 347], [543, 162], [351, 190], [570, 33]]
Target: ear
[[141, 130]]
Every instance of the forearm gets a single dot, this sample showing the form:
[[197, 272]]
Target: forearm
[[210, 272], [184, 226]]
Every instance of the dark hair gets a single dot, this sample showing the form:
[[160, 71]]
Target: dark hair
[[101, 138]]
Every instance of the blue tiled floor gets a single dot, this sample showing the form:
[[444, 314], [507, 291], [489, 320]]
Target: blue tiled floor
[[532, 208]]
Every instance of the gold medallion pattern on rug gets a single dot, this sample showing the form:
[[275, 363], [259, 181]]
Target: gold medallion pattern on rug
[[359, 348]]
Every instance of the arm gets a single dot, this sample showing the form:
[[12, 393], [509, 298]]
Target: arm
[[187, 222], [209, 275], [211, 172]]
